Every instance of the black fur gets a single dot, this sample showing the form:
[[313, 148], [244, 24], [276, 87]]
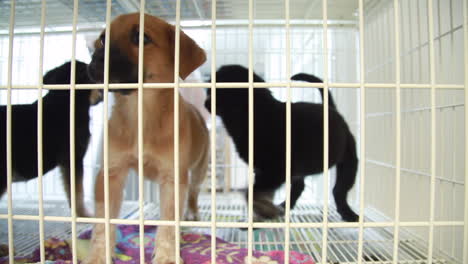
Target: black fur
[[56, 130], [314, 79], [121, 69], [270, 141]]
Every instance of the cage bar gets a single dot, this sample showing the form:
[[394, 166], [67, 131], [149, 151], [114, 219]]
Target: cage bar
[[362, 138], [325, 132], [233, 224], [235, 85], [433, 130], [141, 194], [8, 127], [213, 131], [465, 35], [39, 138], [251, 138], [176, 132], [287, 217], [72, 134], [107, 223], [396, 230]]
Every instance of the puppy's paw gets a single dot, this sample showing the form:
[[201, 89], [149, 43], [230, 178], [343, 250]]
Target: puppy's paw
[[95, 259], [348, 214], [97, 254], [165, 257], [166, 261], [267, 210], [191, 216], [350, 217], [4, 250]]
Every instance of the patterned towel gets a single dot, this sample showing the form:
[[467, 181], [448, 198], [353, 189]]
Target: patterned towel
[[195, 249]]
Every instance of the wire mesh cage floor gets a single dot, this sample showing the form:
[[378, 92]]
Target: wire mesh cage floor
[[342, 242]]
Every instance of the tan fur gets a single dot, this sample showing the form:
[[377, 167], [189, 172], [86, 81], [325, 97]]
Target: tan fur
[[95, 97], [158, 134]]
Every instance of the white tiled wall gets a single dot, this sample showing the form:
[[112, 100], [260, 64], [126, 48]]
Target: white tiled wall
[[380, 67]]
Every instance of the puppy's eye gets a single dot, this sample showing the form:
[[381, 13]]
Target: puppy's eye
[[146, 39], [102, 39], [136, 36]]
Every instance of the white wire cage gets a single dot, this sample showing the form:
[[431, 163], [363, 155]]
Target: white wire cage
[[396, 70]]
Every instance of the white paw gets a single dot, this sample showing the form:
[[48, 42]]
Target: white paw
[[94, 259], [165, 258], [191, 216]]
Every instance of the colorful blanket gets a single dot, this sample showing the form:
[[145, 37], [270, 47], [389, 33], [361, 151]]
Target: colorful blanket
[[195, 249]]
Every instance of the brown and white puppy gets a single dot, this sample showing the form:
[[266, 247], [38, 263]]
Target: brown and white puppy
[[158, 126]]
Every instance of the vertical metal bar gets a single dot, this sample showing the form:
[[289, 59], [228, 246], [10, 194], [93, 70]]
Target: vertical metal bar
[[8, 133], [109, 247], [454, 201], [213, 132], [40, 169], [439, 29], [418, 19], [396, 229], [453, 146], [362, 119], [288, 135], [325, 131], [72, 134], [465, 33], [410, 40], [176, 132], [433, 130], [452, 35], [228, 161], [251, 138], [141, 193], [387, 53]]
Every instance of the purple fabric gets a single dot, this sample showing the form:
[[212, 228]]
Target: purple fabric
[[195, 249]]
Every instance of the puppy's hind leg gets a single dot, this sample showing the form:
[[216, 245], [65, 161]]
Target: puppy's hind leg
[[197, 178], [345, 178], [297, 187], [266, 183], [79, 193], [263, 205]]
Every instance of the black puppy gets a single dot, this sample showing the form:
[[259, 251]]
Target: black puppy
[[56, 133], [270, 142]]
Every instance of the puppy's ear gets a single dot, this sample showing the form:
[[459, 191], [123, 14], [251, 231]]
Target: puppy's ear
[[191, 56]]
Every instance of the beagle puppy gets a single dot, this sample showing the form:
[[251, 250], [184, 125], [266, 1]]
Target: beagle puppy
[[158, 126]]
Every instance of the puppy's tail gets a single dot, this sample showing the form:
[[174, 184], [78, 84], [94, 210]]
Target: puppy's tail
[[314, 79]]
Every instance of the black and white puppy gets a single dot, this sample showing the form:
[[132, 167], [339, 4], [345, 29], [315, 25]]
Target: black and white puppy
[[270, 141], [56, 133]]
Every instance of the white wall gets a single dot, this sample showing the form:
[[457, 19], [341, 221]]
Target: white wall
[[380, 66]]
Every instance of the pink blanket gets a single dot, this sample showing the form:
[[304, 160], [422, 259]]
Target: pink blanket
[[195, 249]]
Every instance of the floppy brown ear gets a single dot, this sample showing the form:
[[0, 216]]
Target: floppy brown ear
[[191, 56]]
